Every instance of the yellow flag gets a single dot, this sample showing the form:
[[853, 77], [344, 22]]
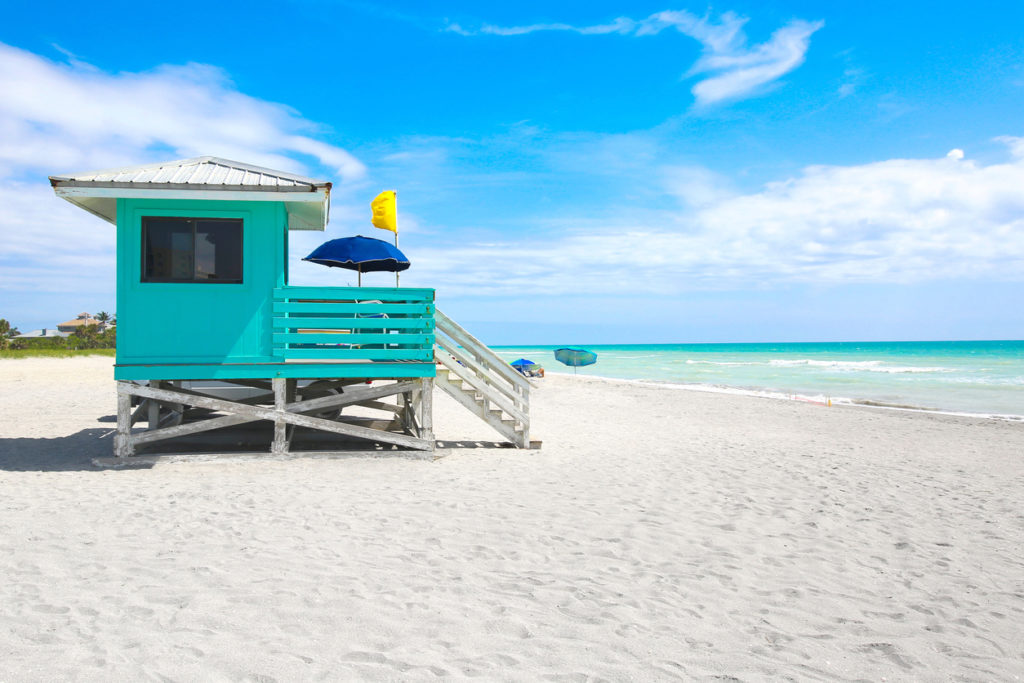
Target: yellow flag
[[385, 211]]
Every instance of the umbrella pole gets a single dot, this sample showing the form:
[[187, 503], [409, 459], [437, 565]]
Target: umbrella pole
[[359, 269], [396, 247]]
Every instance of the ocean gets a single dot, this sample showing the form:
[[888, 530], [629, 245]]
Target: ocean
[[974, 377]]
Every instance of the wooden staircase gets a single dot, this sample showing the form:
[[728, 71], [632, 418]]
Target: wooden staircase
[[482, 382]]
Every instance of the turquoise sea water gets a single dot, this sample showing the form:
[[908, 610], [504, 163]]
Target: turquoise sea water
[[981, 377]]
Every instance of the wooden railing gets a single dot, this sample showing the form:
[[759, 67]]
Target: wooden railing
[[354, 323]]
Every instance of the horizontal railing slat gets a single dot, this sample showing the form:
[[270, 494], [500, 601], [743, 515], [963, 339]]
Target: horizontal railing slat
[[402, 294], [352, 339], [352, 308], [354, 323], [329, 353]]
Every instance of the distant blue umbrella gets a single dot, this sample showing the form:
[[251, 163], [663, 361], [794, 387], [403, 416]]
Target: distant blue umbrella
[[523, 365], [361, 254], [575, 357]]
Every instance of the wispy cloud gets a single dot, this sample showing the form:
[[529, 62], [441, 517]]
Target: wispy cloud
[[731, 69], [853, 78]]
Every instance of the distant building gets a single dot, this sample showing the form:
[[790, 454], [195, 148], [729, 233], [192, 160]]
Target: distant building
[[72, 325], [40, 334]]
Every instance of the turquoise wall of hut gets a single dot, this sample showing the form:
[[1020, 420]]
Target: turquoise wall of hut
[[200, 322]]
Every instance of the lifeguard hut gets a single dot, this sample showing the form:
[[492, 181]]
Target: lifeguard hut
[[211, 335]]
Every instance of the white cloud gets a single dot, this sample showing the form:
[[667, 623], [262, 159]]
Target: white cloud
[[1015, 144], [733, 69], [57, 117], [895, 221], [695, 186], [66, 117], [48, 245]]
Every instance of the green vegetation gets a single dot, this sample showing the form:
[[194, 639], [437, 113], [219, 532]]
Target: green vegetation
[[7, 331], [85, 338], [89, 337], [55, 353]]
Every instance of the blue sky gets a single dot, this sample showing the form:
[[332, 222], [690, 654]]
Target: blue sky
[[568, 173]]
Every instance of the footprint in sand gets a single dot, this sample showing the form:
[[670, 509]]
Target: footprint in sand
[[51, 609], [890, 652]]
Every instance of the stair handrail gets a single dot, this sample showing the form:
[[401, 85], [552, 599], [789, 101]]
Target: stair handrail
[[490, 359], [502, 395], [469, 368]]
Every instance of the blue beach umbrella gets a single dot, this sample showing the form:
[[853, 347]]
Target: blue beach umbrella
[[523, 365], [361, 254], [575, 357]]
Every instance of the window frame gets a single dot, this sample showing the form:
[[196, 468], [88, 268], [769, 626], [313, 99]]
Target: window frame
[[192, 220]]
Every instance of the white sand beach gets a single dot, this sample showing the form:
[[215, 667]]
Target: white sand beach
[[660, 534]]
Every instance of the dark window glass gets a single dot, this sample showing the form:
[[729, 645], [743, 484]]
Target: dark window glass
[[191, 250], [219, 250], [168, 249]]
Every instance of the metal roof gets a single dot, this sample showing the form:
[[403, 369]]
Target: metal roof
[[45, 332], [200, 173], [307, 201]]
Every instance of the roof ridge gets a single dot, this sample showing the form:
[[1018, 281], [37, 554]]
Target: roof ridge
[[194, 161]]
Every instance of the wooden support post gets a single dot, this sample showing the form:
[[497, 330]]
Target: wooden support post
[[123, 446], [523, 403], [403, 412], [280, 444], [426, 407], [414, 403], [291, 389], [154, 408], [177, 410], [407, 400]]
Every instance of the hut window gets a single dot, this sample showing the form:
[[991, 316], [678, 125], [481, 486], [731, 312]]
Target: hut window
[[191, 250]]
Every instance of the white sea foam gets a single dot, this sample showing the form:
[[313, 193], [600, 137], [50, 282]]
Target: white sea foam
[[847, 365], [851, 364], [896, 369], [990, 381], [859, 365], [690, 361]]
